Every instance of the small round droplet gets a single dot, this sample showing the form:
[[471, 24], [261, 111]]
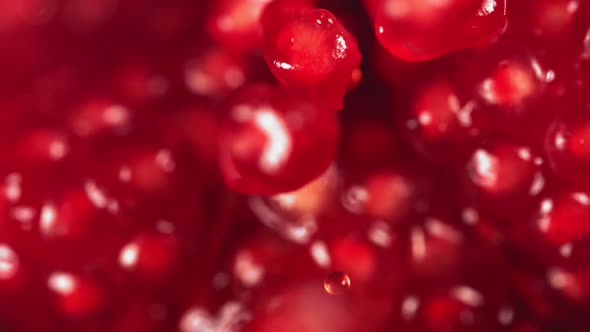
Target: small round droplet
[[337, 283]]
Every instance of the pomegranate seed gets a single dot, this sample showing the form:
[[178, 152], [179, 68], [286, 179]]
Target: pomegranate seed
[[268, 137], [563, 218], [235, 24], [76, 296], [424, 30], [310, 49], [567, 145]]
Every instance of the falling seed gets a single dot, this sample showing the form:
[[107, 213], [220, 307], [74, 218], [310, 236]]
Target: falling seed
[[337, 283]]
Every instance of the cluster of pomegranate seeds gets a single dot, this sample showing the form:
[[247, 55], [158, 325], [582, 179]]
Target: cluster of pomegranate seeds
[[295, 166]]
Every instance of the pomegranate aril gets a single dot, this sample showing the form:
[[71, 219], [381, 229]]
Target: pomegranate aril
[[150, 255], [514, 90], [563, 217], [77, 296], [567, 146], [309, 49], [552, 17], [216, 73], [508, 85], [503, 169], [149, 172], [508, 74], [13, 274], [439, 123], [140, 169], [572, 285], [43, 145], [434, 247], [423, 30], [384, 195], [74, 216], [235, 24], [268, 137], [545, 19], [99, 116], [437, 109]]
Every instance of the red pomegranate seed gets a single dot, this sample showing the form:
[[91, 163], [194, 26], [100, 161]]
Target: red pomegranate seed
[[310, 49], [76, 296], [563, 217], [424, 30], [150, 254], [268, 138]]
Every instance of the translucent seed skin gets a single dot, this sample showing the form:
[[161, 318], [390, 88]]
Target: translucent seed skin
[[309, 49], [425, 30], [269, 137]]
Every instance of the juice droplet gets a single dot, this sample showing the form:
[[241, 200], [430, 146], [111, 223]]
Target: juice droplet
[[337, 283]]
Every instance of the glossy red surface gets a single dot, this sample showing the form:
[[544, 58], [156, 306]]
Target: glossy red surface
[[425, 29], [294, 166], [308, 49]]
